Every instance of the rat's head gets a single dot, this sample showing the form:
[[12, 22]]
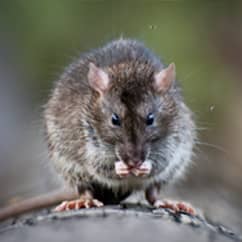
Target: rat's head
[[134, 111]]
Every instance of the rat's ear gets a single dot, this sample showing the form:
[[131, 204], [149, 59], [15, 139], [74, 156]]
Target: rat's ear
[[165, 78], [97, 78]]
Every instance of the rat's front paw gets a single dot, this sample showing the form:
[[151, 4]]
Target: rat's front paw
[[175, 206], [142, 170], [121, 169], [78, 204]]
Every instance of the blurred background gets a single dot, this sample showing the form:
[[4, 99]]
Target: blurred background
[[39, 38]]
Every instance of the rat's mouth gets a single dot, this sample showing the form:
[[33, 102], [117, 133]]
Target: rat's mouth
[[122, 170]]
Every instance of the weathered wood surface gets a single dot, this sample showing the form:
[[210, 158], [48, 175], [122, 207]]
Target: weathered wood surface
[[129, 222]]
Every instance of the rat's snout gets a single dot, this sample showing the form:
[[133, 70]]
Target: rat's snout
[[132, 155], [132, 163]]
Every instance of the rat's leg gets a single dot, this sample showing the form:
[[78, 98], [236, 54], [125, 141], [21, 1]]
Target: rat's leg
[[152, 194], [86, 200]]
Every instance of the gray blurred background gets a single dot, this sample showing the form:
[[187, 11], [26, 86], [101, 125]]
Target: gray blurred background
[[39, 38]]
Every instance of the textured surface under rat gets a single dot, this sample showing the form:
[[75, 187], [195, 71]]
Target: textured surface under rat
[[126, 79], [130, 222]]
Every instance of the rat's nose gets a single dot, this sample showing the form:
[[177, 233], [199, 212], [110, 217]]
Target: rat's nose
[[133, 155], [134, 163]]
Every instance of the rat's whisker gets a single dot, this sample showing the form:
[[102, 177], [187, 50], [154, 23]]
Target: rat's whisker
[[201, 128], [217, 147]]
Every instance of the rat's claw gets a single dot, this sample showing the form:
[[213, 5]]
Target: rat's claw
[[61, 207], [176, 207], [78, 204], [86, 204], [97, 203], [186, 207]]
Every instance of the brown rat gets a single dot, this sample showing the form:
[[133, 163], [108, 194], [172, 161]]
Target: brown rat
[[116, 123]]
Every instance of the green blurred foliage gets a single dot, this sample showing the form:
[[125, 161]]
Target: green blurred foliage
[[47, 34]]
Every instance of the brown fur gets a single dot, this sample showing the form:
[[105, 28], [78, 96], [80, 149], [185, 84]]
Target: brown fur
[[84, 145]]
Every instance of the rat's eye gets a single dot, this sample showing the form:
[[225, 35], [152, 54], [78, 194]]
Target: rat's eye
[[150, 119], [116, 120]]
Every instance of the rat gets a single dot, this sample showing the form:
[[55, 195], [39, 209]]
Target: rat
[[116, 123]]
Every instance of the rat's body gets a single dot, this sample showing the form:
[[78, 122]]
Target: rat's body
[[116, 123], [83, 143]]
